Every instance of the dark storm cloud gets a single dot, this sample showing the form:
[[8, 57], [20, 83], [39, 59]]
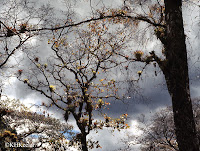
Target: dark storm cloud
[[150, 101]]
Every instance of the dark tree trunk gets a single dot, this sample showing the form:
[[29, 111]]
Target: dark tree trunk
[[82, 137], [175, 69], [84, 143]]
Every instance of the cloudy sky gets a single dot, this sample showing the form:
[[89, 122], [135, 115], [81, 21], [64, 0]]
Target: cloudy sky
[[153, 93]]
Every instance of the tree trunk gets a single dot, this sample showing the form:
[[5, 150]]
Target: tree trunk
[[84, 143], [175, 69]]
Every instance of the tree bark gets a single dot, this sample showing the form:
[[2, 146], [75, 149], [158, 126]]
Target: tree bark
[[175, 69], [82, 137], [84, 143]]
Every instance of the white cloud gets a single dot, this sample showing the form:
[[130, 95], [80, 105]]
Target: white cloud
[[134, 130]]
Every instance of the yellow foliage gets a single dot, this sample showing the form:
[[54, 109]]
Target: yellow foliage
[[52, 88], [101, 80]]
